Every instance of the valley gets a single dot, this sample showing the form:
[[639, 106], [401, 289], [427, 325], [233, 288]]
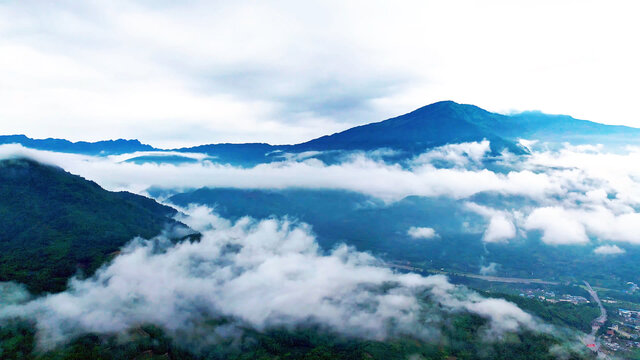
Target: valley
[[202, 213], [319, 180]]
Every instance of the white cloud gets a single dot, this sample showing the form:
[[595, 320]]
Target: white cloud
[[594, 168], [386, 181], [422, 232], [460, 155], [569, 195], [504, 315], [571, 225], [558, 226], [608, 250], [260, 274], [500, 227], [606, 225]]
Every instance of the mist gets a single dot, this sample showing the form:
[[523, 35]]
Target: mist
[[390, 182], [587, 189], [257, 274]]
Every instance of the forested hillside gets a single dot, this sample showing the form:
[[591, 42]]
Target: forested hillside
[[55, 224]]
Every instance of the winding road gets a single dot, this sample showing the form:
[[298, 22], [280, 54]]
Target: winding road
[[597, 322]]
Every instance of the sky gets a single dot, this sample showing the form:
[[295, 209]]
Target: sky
[[193, 72]]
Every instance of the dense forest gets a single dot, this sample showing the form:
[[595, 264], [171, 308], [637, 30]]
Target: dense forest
[[55, 224], [460, 339]]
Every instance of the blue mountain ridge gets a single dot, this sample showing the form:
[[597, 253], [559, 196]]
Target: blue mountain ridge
[[437, 124]]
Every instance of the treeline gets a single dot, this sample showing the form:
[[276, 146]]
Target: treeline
[[462, 337], [563, 314]]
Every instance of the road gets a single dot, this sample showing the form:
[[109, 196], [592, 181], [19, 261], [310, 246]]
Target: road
[[507, 279], [600, 320], [497, 278], [473, 276], [597, 322]]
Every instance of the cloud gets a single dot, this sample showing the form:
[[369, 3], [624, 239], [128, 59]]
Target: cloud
[[572, 225], [608, 250], [593, 168], [490, 269], [558, 226], [257, 274], [505, 316], [570, 195], [422, 232], [12, 293], [386, 181], [174, 70], [286, 71], [458, 155], [500, 227], [606, 225]]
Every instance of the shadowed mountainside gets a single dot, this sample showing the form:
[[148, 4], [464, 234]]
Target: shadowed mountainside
[[55, 224], [444, 122]]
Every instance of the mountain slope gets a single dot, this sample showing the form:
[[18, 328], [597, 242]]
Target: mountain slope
[[54, 224], [563, 128], [433, 125], [107, 147], [447, 122], [237, 154], [440, 123]]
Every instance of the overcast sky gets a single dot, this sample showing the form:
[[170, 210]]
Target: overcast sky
[[286, 71]]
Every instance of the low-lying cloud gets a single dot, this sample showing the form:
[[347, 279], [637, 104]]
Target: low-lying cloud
[[490, 269], [421, 232], [608, 250], [500, 227], [259, 274], [558, 227], [569, 196], [386, 181], [456, 155], [561, 225]]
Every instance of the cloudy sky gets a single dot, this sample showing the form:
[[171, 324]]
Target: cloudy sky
[[286, 71]]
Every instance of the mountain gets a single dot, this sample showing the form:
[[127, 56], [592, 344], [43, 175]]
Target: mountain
[[248, 154], [563, 128], [107, 147], [55, 224], [437, 124], [448, 122], [434, 125]]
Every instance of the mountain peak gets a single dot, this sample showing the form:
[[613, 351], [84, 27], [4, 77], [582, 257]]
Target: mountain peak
[[451, 108], [437, 124], [443, 103]]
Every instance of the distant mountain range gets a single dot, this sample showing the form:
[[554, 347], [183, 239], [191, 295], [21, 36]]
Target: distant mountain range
[[440, 123], [106, 147]]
